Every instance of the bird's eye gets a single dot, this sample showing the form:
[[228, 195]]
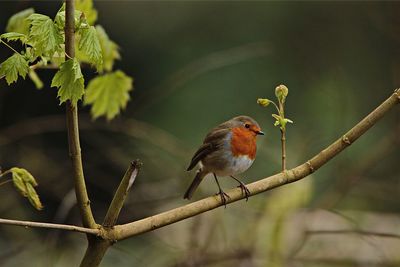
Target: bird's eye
[[247, 125]]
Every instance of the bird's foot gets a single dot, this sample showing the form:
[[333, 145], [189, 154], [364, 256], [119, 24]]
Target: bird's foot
[[245, 190], [224, 197]]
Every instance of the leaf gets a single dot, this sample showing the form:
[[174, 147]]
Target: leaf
[[33, 197], [25, 183], [69, 80], [14, 36], [109, 49], [44, 36], [108, 94], [14, 66], [86, 6], [89, 44], [19, 183], [18, 23]]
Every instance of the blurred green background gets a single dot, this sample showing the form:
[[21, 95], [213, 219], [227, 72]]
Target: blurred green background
[[197, 64]]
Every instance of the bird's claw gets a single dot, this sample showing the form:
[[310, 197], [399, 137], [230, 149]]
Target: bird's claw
[[245, 191], [224, 197]]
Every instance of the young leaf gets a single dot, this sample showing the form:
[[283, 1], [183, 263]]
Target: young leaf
[[281, 92], [44, 35], [14, 36], [25, 183], [14, 66], [18, 22], [264, 102], [89, 44], [109, 49], [108, 94], [69, 80], [33, 197], [86, 6]]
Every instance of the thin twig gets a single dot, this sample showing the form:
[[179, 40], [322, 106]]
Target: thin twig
[[283, 135], [352, 231], [65, 227]]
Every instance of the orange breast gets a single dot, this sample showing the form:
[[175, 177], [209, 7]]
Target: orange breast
[[243, 143]]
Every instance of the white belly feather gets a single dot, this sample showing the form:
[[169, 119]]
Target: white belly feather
[[236, 166]]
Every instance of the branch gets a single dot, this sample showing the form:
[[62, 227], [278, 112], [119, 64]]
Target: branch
[[122, 191], [73, 128], [352, 231], [66, 227], [124, 231]]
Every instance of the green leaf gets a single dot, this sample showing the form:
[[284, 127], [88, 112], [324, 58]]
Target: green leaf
[[109, 49], [25, 183], [89, 44], [69, 80], [14, 66], [33, 197], [86, 6], [108, 94], [44, 36], [19, 183], [18, 22], [14, 36]]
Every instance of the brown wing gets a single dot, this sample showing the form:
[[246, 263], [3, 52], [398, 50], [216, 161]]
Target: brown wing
[[211, 143]]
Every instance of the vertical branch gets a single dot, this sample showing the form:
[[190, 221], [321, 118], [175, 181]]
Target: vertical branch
[[283, 135], [73, 127]]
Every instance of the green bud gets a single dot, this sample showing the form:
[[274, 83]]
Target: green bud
[[263, 102], [281, 92]]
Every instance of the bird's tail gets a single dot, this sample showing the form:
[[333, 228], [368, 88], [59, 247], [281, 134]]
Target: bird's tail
[[195, 183]]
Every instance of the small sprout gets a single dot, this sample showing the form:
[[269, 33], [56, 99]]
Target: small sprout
[[281, 92], [279, 121], [263, 102], [25, 183]]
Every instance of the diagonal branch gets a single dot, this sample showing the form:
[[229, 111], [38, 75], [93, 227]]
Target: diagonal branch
[[157, 221], [122, 191], [73, 128]]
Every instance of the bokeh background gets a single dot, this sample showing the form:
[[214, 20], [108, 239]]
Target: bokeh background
[[197, 64]]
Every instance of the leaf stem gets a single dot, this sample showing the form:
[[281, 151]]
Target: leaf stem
[[4, 173], [277, 109], [6, 181], [10, 47]]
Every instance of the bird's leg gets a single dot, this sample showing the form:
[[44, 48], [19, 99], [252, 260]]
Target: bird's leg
[[243, 187], [221, 193]]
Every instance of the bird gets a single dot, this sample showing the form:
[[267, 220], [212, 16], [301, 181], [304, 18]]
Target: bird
[[227, 150]]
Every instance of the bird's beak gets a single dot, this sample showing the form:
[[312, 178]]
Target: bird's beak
[[260, 133]]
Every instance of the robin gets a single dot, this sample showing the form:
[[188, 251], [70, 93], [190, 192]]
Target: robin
[[227, 150]]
